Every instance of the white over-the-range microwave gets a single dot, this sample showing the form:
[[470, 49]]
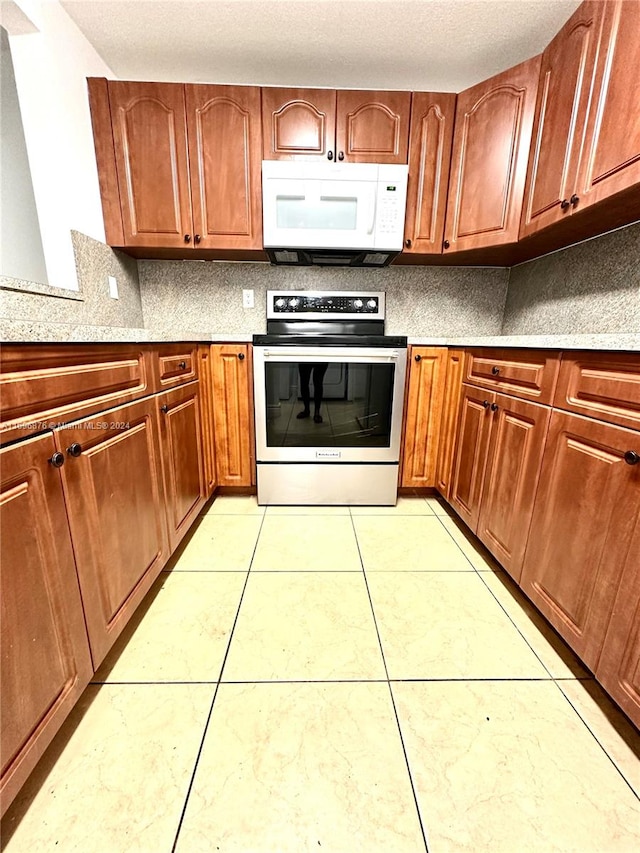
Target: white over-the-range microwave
[[333, 214]]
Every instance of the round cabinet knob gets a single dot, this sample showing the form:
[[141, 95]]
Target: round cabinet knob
[[196, 238], [187, 238], [164, 409], [418, 358], [446, 244], [564, 204], [494, 407], [341, 155], [357, 303], [280, 303], [183, 365], [241, 356], [57, 460], [485, 403], [407, 243], [74, 450], [495, 370], [631, 457], [330, 155], [371, 303], [574, 199]]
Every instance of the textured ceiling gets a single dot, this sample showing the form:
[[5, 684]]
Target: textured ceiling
[[437, 45]]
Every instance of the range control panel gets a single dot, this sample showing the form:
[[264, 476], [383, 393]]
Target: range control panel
[[331, 304]]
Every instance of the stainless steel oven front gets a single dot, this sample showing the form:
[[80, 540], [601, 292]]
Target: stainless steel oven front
[[328, 422]]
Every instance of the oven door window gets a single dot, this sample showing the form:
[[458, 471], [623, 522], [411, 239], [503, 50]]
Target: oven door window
[[316, 404]]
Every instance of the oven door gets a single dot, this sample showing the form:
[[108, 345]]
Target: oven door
[[357, 392]]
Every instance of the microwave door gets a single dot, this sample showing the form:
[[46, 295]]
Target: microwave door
[[320, 214]]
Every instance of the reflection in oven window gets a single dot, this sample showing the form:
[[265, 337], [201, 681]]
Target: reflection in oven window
[[316, 404]]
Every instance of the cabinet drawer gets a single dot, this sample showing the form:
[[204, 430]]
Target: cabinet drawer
[[175, 365], [530, 374], [602, 385], [42, 386]]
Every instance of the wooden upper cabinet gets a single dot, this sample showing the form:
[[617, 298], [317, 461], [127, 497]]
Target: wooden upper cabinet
[[223, 124], [489, 160], [45, 652], [563, 95], [150, 145], [611, 154], [372, 127], [430, 139], [322, 124], [298, 123], [586, 509], [423, 414]]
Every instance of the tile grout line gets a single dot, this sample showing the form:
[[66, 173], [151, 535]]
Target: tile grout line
[[393, 703], [215, 694]]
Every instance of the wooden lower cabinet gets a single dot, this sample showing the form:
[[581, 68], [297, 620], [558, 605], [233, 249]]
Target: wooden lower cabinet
[[516, 445], [584, 529], [232, 391], [182, 462], [449, 421], [45, 652], [116, 508], [206, 416], [618, 669], [423, 413], [471, 453]]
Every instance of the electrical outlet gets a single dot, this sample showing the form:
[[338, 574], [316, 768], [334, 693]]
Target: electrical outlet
[[113, 287], [247, 298]]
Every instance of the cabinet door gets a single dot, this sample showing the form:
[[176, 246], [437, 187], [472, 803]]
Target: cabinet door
[[233, 414], [115, 503], [206, 413], [150, 143], [298, 124], [618, 669], [430, 138], [611, 154], [518, 436], [587, 505], [372, 127], [45, 652], [449, 422], [225, 154], [182, 458], [471, 453], [489, 160], [563, 93], [423, 415]]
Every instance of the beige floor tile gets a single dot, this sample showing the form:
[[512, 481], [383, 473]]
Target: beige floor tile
[[183, 635], [446, 625], [304, 767], [307, 543], [438, 505], [549, 647], [471, 547], [612, 729], [304, 625], [404, 543], [405, 506], [122, 775], [221, 543], [235, 505], [509, 766], [307, 510]]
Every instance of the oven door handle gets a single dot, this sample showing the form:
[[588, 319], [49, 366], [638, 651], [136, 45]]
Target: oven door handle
[[292, 354]]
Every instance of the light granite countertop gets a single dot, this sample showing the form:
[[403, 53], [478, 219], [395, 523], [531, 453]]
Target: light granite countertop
[[25, 331]]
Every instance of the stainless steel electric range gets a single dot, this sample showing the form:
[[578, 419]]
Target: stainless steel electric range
[[329, 391]]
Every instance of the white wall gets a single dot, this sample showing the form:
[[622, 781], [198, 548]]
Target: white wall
[[51, 64]]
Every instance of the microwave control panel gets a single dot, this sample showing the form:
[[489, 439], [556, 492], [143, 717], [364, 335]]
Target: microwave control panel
[[391, 208]]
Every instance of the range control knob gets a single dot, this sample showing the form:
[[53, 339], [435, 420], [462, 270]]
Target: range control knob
[[357, 303], [371, 303], [280, 303], [294, 302]]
